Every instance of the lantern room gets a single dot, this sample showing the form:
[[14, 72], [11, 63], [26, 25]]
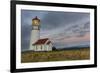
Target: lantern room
[[36, 21]]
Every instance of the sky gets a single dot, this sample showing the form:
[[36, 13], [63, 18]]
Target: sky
[[64, 29]]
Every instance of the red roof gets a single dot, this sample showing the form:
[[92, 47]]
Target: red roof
[[42, 41]]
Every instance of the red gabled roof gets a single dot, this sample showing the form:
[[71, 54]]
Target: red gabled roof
[[41, 41]]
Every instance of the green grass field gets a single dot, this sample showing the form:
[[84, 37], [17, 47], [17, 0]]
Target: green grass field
[[62, 55]]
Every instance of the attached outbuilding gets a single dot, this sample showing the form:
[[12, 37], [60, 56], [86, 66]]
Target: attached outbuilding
[[42, 45]]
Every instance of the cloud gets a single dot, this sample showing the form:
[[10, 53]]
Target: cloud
[[86, 37], [53, 20]]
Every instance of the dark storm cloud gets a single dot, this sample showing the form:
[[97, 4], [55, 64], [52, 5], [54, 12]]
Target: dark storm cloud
[[25, 30], [57, 19], [25, 36]]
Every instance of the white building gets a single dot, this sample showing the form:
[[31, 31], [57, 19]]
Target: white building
[[42, 45], [36, 43]]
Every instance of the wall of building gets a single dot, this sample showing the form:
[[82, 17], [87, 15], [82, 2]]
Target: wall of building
[[44, 47]]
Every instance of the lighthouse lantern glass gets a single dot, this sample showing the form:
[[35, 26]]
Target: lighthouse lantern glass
[[35, 22]]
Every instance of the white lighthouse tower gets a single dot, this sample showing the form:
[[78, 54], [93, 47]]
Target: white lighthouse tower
[[35, 33]]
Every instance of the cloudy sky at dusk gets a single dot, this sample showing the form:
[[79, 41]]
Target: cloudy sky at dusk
[[64, 29]]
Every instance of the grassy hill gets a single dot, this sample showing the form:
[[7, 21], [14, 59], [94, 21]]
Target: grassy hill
[[57, 55]]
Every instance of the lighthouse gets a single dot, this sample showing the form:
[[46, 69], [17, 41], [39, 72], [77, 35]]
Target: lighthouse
[[37, 44], [35, 32]]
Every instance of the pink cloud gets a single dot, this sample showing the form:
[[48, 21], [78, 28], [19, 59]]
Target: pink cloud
[[86, 37]]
